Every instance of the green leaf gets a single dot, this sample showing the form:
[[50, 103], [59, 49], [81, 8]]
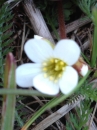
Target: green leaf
[[80, 119], [7, 51], [5, 24], [8, 107], [89, 92], [6, 27], [6, 43], [6, 36], [94, 48]]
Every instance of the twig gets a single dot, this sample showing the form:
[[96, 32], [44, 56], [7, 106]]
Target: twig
[[37, 20]]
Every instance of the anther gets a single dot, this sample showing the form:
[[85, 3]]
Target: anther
[[56, 67], [61, 63], [52, 60], [60, 75], [51, 78], [53, 69], [56, 60], [44, 69]]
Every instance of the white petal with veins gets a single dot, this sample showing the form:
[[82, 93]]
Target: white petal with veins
[[25, 74], [38, 50], [44, 85], [67, 50], [69, 80]]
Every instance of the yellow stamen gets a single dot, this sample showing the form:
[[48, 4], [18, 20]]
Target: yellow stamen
[[57, 68], [60, 75], [51, 78], [44, 69], [56, 60], [61, 63], [53, 69], [52, 60]]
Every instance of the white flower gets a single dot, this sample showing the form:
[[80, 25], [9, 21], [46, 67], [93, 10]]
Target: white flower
[[52, 70]]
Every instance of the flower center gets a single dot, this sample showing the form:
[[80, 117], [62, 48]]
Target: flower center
[[53, 69]]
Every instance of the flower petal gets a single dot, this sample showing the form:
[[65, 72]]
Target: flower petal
[[69, 80], [38, 50], [44, 85], [67, 50], [39, 37], [25, 74]]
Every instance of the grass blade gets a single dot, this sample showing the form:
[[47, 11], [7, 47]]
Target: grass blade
[[8, 108]]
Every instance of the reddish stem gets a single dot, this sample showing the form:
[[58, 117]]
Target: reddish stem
[[61, 21]]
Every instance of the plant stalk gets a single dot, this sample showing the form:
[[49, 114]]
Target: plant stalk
[[94, 48]]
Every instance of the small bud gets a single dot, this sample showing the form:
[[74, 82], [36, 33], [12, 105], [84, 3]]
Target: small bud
[[81, 67]]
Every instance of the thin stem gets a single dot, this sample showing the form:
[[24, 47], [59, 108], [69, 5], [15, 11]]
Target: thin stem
[[94, 48], [85, 58], [62, 28], [22, 92]]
